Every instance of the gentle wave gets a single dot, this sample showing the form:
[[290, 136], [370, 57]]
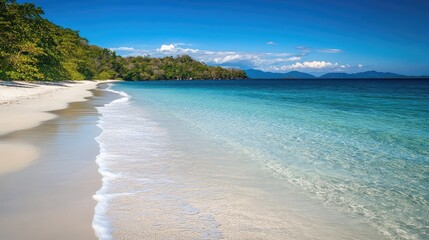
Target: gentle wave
[[135, 158], [101, 223]]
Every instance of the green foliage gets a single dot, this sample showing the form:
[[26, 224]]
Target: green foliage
[[106, 74], [180, 67], [32, 48]]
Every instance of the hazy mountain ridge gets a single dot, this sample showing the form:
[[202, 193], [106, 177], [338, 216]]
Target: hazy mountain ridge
[[367, 74], [258, 74], [253, 73]]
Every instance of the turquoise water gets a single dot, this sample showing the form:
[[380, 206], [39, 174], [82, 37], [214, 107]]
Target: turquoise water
[[360, 147]]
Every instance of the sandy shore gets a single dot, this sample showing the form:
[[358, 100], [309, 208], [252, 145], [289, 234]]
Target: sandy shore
[[46, 184], [26, 105]]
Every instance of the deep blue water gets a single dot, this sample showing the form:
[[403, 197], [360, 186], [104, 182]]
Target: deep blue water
[[360, 146]]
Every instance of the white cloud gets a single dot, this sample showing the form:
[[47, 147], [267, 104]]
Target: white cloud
[[268, 61], [227, 58], [314, 64], [169, 49], [230, 58], [130, 51], [166, 48], [181, 44], [271, 43], [330, 50], [310, 65], [294, 58], [360, 65], [122, 49]]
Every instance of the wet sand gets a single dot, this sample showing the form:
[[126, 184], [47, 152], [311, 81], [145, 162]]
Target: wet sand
[[25, 105], [52, 197], [23, 155]]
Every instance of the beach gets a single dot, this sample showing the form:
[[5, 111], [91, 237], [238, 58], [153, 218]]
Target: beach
[[260, 159], [25, 105], [48, 174], [279, 120]]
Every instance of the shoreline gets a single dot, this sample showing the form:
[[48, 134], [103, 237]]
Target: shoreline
[[25, 105], [18, 99], [49, 187]]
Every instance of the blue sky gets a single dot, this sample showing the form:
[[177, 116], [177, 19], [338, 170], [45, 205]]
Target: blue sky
[[314, 36]]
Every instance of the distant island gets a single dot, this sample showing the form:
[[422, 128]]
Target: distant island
[[258, 74], [367, 74], [253, 73], [33, 48]]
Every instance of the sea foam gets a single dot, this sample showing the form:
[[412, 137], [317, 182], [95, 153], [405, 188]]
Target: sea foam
[[101, 223]]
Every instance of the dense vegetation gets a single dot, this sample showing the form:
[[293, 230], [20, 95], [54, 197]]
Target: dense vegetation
[[181, 67], [33, 48]]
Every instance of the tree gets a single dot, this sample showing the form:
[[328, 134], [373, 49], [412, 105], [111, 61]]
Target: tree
[[33, 48]]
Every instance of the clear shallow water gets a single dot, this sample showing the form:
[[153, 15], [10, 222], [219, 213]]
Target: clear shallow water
[[360, 148]]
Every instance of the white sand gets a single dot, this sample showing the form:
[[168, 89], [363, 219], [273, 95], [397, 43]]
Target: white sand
[[48, 174], [26, 105]]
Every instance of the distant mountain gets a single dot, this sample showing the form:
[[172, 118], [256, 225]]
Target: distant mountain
[[368, 74], [336, 75], [257, 74], [296, 74]]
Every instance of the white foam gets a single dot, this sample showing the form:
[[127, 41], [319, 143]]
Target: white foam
[[101, 223]]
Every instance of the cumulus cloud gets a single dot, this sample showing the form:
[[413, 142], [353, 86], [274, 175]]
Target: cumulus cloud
[[227, 58], [268, 61], [166, 48], [330, 50], [271, 43], [310, 66], [313, 64], [175, 49]]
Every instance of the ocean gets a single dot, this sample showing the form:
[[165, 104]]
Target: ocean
[[265, 159]]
